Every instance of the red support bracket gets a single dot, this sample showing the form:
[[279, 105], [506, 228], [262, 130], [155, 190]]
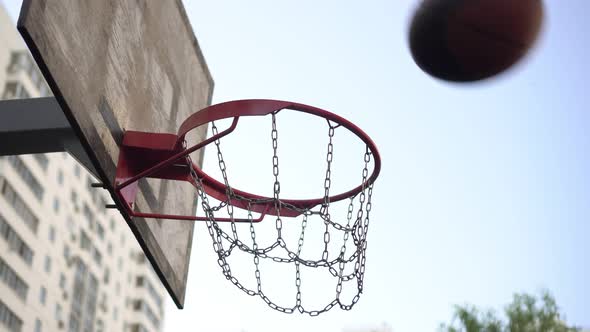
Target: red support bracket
[[152, 155]]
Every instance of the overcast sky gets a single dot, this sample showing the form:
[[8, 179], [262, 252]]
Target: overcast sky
[[485, 188]]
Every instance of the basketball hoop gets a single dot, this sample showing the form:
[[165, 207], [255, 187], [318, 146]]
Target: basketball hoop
[[166, 156]]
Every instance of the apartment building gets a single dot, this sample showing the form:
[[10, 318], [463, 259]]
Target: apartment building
[[66, 262]]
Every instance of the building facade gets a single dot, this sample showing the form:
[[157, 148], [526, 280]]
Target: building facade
[[66, 262]]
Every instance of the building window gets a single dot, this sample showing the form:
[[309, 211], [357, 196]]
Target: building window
[[110, 248], [71, 225], [51, 234], [91, 297], [15, 242], [103, 204], [88, 215], [107, 276], [15, 90], [60, 176], [87, 326], [67, 253], [85, 241], [56, 205], [62, 281], [100, 231], [143, 307], [77, 170], [20, 60], [141, 258], [112, 222], [97, 256], [98, 200], [35, 76], [12, 280], [74, 325], [99, 325], [42, 160], [138, 328], [37, 325], [44, 90], [26, 175], [9, 319], [142, 281], [42, 295], [19, 206], [85, 291], [74, 197], [47, 264], [57, 312]]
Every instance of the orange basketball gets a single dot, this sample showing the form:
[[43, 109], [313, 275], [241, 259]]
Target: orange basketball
[[470, 40]]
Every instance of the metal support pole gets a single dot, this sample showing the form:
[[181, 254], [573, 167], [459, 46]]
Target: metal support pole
[[38, 125]]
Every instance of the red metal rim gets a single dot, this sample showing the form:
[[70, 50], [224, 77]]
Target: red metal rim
[[258, 107]]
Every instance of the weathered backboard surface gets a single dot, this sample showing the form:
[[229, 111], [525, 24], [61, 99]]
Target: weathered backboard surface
[[126, 65]]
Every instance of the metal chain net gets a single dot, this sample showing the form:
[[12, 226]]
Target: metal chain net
[[355, 225]]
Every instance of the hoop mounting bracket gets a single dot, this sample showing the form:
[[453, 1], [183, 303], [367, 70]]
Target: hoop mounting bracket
[[152, 155]]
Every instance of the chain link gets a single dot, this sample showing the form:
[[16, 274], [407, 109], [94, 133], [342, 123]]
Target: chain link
[[357, 226], [325, 210]]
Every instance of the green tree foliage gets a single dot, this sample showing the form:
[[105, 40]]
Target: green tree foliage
[[526, 313]]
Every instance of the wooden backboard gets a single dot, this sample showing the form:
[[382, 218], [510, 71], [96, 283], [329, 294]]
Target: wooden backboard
[[126, 65]]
